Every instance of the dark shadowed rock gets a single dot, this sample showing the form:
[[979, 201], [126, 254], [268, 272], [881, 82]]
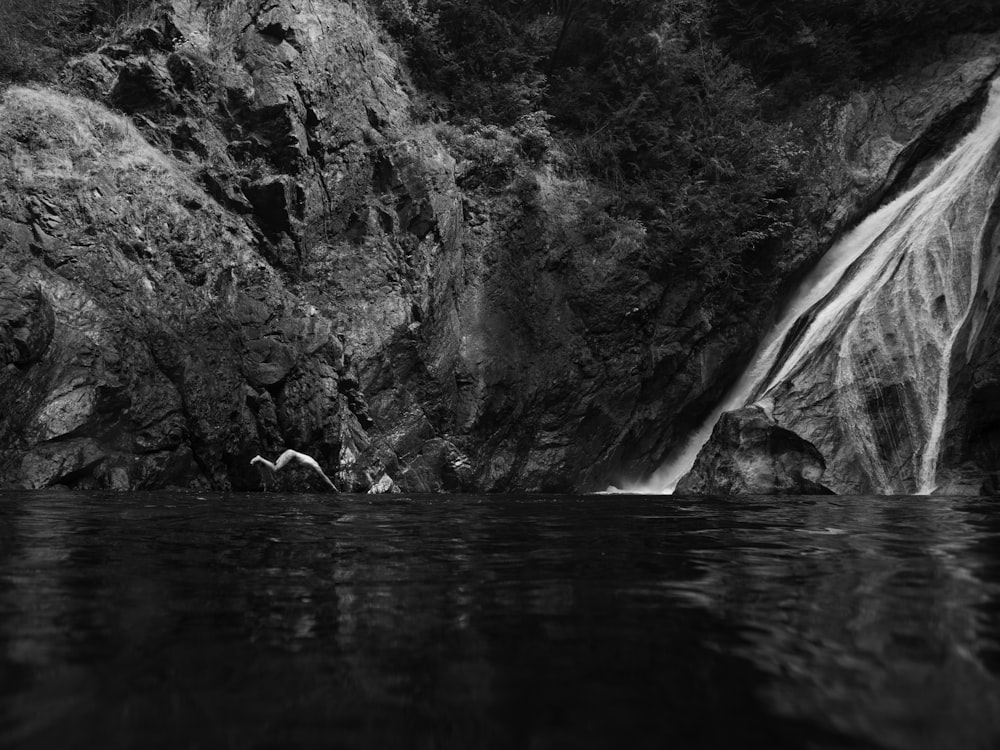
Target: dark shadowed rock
[[420, 175], [278, 202], [750, 454], [438, 466], [143, 85], [970, 479], [26, 321]]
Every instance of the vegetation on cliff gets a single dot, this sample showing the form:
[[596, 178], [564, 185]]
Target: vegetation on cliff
[[679, 106], [801, 47], [37, 37], [530, 263]]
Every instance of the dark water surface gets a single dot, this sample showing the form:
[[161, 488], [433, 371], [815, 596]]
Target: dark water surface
[[265, 621]]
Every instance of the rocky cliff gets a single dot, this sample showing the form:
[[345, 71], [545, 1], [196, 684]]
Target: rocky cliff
[[870, 372], [202, 257], [227, 233]]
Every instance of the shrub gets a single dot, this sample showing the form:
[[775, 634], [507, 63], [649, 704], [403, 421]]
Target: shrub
[[677, 106], [532, 132], [487, 154], [802, 47], [37, 36]]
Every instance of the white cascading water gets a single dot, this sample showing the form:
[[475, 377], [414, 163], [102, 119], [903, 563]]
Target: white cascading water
[[880, 314]]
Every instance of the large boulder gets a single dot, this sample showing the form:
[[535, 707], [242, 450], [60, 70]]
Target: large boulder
[[750, 454]]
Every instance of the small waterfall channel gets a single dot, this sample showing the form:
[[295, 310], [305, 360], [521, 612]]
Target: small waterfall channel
[[862, 348]]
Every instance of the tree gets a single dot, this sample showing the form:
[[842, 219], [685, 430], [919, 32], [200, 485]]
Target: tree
[[569, 11]]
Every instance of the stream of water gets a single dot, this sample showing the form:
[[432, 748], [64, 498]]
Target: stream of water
[[168, 620], [876, 322]]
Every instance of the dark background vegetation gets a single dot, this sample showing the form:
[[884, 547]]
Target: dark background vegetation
[[682, 108], [37, 36]]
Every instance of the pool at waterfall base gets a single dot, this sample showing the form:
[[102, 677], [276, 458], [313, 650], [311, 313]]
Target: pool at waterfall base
[[187, 620]]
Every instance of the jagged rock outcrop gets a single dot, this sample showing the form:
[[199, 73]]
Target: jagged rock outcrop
[[157, 325], [604, 364], [264, 249], [27, 321], [147, 329], [750, 454], [867, 375], [890, 339], [885, 136], [971, 454]]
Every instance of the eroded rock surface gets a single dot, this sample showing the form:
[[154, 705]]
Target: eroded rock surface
[[263, 249], [885, 137], [202, 280], [893, 338], [750, 454]]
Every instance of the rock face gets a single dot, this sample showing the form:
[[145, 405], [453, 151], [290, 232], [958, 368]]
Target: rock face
[[866, 151], [884, 138], [233, 237], [200, 280], [750, 454], [875, 360], [972, 435], [869, 364]]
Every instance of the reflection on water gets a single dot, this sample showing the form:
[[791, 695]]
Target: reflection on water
[[174, 620], [878, 615]]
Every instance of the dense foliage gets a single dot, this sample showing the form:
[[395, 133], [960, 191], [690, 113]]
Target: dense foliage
[[642, 97], [36, 36], [803, 46], [677, 105]]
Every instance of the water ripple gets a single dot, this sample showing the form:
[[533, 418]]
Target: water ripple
[[182, 620]]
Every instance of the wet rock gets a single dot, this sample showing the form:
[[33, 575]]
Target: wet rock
[[439, 467], [867, 394], [883, 136], [56, 463], [750, 454], [383, 486], [868, 149], [967, 480]]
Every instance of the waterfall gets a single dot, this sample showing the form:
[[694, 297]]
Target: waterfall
[[862, 349]]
